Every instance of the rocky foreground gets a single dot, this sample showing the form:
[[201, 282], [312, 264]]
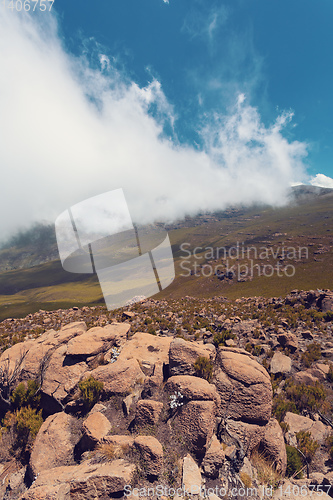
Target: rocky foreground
[[226, 398]]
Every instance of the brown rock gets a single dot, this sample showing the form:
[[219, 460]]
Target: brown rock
[[120, 377], [98, 339], [214, 458], [288, 340], [247, 436], [273, 445], [95, 427], [192, 388], [195, 422], [146, 348], [183, 354], [244, 386], [86, 481], [280, 363], [148, 412], [191, 476], [54, 444], [299, 423], [60, 378], [151, 452]]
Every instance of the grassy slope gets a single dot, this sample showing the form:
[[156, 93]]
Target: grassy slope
[[48, 286]]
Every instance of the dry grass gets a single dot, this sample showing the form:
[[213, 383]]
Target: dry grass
[[265, 468], [110, 451]]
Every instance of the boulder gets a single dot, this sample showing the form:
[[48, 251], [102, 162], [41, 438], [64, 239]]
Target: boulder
[[146, 348], [195, 422], [86, 481], [148, 412], [192, 388], [151, 453], [54, 444], [298, 423], [61, 378], [120, 377], [214, 459], [273, 445], [98, 339], [95, 428], [244, 386], [183, 354], [280, 363], [287, 340], [191, 476]]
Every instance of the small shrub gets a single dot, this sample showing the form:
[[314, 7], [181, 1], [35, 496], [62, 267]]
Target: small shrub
[[294, 462], [328, 316], [306, 396], [221, 337], [90, 389], [203, 368], [312, 353], [26, 396], [281, 406], [28, 423], [306, 444], [329, 443]]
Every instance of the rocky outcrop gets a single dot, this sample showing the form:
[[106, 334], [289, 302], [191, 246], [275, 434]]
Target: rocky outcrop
[[183, 355], [148, 412], [151, 453], [82, 482], [298, 423], [95, 428], [213, 459], [243, 385], [280, 363], [120, 377]]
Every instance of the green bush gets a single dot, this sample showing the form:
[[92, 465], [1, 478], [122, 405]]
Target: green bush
[[221, 337], [306, 396], [330, 374], [312, 353], [281, 406], [26, 395], [294, 462], [203, 368], [28, 423], [329, 443], [90, 389], [306, 444], [328, 316]]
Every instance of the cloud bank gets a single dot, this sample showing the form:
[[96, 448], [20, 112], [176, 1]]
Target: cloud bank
[[322, 180], [69, 131]]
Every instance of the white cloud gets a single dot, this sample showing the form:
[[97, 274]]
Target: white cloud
[[322, 180], [69, 132]]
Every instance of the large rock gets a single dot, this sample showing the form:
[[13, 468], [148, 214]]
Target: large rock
[[287, 340], [120, 377], [280, 363], [85, 481], [98, 339], [273, 445], [214, 459], [61, 378], [192, 388], [148, 412], [244, 386], [148, 349], [183, 354], [195, 423], [54, 444], [95, 428], [298, 423], [191, 476], [151, 453]]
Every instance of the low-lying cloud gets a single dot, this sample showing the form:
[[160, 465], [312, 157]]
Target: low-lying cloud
[[69, 132], [322, 180]]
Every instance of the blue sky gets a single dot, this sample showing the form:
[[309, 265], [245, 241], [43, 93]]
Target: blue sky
[[188, 105], [278, 52]]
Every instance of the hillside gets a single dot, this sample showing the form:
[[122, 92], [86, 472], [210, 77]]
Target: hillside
[[294, 243]]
